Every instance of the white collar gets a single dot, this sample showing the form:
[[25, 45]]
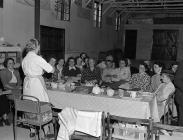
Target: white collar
[[70, 68], [11, 70]]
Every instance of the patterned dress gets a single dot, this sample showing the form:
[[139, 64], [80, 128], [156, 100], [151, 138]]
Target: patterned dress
[[141, 81], [88, 75]]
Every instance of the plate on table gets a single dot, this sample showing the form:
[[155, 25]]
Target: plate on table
[[135, 89], [130, 98], [146, 94]]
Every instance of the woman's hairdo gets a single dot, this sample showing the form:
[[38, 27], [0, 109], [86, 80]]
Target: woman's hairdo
[[145, 66], [32, 44], [168, 73], [6, 61]]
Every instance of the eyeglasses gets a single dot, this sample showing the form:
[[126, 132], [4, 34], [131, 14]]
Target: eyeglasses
[[109, 61]]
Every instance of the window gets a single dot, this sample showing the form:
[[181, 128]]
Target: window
[[165, 44], [97, 14], [117, 21], [62, 9], [1, 3]]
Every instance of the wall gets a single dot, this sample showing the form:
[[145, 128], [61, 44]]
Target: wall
[[145, 39], [17, 25], [1, 21]]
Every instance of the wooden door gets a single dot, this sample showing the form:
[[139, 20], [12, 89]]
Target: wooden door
[[130, 43], [52, 42]]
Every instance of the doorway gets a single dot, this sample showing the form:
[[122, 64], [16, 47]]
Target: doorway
[[52, 42], [130, 44]]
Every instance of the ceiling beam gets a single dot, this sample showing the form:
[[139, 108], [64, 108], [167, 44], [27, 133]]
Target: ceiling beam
[[85, 3], [148, 2], [150, 6], [106, 9]]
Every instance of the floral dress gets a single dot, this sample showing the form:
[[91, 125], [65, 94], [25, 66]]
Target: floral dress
[[141, 81]]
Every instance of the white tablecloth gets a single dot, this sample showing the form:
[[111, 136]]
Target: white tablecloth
[[115, 106], [175, 136]]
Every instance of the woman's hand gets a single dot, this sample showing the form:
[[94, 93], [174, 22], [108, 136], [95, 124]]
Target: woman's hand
[[53, 70], [114, 76]]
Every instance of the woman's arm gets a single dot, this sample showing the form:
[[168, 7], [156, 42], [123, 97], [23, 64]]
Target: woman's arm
[[5, 78], [19, 81], [126, 74], [165, 93], [46, 66]]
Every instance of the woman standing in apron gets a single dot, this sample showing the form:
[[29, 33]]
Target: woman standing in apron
[[33, 66]]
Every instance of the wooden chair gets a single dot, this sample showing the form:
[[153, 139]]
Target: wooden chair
[[82, 136], [35, 113], [168, 109], [133, 121], [55, 112]]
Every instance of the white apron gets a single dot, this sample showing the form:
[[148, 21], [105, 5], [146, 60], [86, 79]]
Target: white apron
[[35, 86]]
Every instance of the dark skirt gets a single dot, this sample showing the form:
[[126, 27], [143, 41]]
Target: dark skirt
[[4, 105]]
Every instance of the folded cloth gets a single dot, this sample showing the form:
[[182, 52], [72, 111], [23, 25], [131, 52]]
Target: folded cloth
[[73, 120], [89, 123], [67, 121]]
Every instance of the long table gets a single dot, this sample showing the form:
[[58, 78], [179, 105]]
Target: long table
[[115, 106]]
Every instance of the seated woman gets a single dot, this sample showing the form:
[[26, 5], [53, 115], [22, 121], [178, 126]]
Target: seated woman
[[79, 63], [83, 55], [108, 71], [103, 63], [85, 62], [123, 72], [121, 75], [149, 71], [91, 74], [58, 73], [4, 108], [164, 90], [133, 69], [140, 80], [156, 78], [49, 76], [10, 77], [70, 70], [174, 67]]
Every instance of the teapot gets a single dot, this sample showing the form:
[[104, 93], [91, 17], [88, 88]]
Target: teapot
[[110, 92], [96, 89]]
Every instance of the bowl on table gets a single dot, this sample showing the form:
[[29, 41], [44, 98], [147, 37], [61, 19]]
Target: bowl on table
[[110, 92]]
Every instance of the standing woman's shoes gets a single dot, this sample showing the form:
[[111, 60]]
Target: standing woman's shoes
[[1, 123], [6, 122], [32, 134]]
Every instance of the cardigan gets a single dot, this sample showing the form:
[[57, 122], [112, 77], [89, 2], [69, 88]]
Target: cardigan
[[6, 77]]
